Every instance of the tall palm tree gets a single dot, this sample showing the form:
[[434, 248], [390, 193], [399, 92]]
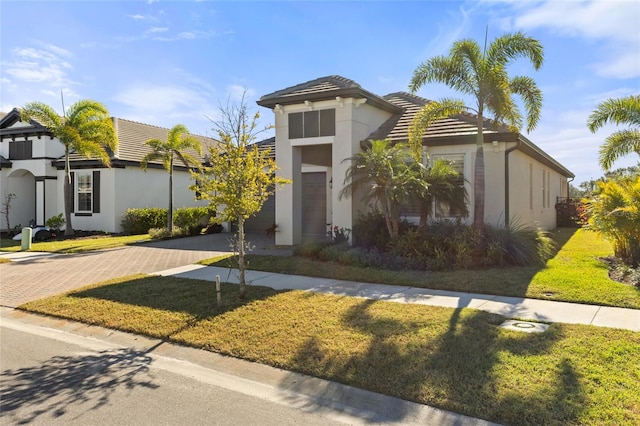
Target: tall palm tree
[[623, 142], [179, 142], [482, 73], [386, 177], [85, 128]]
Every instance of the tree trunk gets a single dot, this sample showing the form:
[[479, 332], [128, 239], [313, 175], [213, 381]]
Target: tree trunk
[[68, 196], [241, 266], [478, 179], [170, 212]]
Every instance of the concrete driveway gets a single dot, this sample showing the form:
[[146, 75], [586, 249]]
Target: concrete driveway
[[40, 275]]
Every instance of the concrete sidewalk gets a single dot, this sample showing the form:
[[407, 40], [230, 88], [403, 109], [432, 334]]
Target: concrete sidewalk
[[509, 307]]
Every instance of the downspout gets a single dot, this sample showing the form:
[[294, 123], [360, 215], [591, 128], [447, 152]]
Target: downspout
[[506, 182]]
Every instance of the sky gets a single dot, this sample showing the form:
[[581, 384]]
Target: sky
[[170, 62]]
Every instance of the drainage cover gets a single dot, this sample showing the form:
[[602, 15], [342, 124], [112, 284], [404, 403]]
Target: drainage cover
[[527, 327]]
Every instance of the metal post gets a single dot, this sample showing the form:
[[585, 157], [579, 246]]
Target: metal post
[[218, 291]]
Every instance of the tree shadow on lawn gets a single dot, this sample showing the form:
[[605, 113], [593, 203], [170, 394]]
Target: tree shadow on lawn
[[64, 381], [184, 301], [450, 366]]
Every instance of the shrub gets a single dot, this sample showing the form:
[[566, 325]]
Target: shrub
[[55, 222], [571, 213], [140, 221], [193, 219], [163, 233]]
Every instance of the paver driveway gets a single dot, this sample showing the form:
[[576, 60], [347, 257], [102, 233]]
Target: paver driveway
[[46, 275]]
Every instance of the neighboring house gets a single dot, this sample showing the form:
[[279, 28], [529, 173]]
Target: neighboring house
[[32, 168], [320, 123]]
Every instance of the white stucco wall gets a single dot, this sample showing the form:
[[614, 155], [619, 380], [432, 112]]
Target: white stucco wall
[[130, 187]]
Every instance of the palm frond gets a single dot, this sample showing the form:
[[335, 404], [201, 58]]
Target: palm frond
[[617, 145], [624, 110]]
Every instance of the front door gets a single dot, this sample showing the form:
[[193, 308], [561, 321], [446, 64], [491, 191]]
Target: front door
[[314, 206]]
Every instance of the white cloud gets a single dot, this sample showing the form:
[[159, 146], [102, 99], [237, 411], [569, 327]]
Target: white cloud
[[154, 30], [39, 65], [614, 23], [165, 105]]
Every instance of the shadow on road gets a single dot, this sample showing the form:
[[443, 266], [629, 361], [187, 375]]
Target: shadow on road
[[63, 381]]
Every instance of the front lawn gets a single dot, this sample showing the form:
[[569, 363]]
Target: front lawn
[[455, 359], [574, 274], [76, 245]]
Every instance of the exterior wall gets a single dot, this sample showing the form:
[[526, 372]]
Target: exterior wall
[[20, 182], [31, 180], [130, 187], [529, 203], [354, 122]]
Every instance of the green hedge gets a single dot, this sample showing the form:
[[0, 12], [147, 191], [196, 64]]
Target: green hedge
[[191, 219]]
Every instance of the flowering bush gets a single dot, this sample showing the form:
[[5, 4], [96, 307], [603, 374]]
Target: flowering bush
[[571, 213]]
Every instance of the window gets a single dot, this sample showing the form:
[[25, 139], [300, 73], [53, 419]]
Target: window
[[530, 186], [545, 189], [444, 209], [84, 191], [86, 185], [311, 124], [20, 150]]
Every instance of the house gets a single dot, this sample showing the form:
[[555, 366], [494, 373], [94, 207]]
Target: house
[[32, 168], [320, 123]]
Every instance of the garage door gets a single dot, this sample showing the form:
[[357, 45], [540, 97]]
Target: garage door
[[265, 218]]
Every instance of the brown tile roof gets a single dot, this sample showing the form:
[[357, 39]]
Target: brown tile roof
[[396, 128], [131, 142], [270, 144], [457, 129], [323, 88]]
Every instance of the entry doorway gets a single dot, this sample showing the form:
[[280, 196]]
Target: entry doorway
[[314, 206]]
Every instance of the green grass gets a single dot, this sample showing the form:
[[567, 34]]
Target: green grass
[[455, 359], [76, 245], [574, 274]]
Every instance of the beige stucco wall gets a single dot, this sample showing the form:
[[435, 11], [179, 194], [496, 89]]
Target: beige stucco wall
[[529, 204], [354, 122]]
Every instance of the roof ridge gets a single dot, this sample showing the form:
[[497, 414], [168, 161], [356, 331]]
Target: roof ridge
[[338, 80], [161, 128]]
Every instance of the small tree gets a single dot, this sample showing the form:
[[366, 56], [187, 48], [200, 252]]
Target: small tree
[[387, 175], [178, 142], [238, 177], [6, 208], [85, 128]]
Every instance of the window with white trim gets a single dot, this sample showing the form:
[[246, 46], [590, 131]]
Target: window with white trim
[[84, 192]]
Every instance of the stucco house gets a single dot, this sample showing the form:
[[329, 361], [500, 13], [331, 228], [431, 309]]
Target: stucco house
[[32, 168], [321, 122]]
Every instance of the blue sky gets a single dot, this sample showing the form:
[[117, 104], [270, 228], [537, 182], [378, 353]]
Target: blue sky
[[169, 62]]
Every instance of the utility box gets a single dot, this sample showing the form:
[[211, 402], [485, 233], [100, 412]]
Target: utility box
[[26, 238]]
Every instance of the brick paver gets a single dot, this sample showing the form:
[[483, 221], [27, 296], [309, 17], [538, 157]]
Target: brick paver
[[43, 276]]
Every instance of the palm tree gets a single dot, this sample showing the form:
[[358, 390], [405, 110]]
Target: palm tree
[[442, 186], [622, 142], [386, 176], [482, 73], [85, 128], [178, 142]]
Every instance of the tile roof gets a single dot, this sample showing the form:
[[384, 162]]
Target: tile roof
[[323, 88], [396, 128], [131, 142], [269, 143]]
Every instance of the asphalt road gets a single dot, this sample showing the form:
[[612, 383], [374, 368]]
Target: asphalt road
[[49, 380]]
